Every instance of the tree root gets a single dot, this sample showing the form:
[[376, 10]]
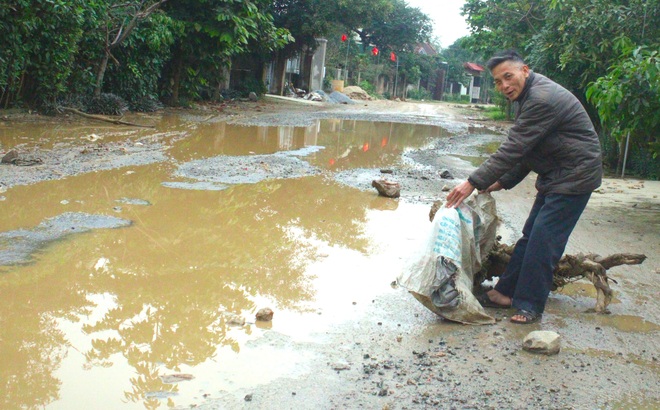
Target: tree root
[[569, 269]]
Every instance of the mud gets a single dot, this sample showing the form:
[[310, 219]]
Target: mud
[[225, 222], [18, 246]]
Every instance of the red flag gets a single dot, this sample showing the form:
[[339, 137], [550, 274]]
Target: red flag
[[344, 37], [392, 56], [374, 51]]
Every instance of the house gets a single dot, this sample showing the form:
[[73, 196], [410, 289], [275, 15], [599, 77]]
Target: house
[[474, 71]]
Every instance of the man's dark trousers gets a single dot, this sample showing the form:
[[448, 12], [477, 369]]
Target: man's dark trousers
[[528, 276]]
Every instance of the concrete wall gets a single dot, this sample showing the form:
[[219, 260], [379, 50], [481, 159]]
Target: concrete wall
[[317, 73]]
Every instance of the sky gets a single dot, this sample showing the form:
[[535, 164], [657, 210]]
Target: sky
[[448, 24]]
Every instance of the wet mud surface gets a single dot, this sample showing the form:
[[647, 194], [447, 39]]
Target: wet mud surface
[[137, 259]]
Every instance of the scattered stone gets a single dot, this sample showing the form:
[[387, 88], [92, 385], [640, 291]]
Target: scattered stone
[[543, 342], [248, 397], [386, 188], [265, 314], [446, 175], [446, 188], [341, 366], [386, 171], [253, 96]]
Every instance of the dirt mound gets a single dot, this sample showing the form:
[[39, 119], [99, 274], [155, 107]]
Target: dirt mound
[[356, 93]]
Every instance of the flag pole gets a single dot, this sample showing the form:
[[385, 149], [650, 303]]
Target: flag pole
[[396, 75], [348, 46]]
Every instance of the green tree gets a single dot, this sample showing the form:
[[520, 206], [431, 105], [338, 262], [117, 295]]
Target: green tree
[[397, 27], [120, 21], [38, 43], [214, 31], [628, 97]]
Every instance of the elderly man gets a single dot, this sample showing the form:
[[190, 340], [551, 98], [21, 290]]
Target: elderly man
[[554, 137]]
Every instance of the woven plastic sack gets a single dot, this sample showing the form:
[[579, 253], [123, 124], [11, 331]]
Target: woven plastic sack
[[441, 274]]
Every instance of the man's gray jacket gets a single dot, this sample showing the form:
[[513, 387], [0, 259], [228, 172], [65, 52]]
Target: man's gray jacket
[[552, 136]]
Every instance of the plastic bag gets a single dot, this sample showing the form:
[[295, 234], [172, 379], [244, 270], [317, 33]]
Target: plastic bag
[[441, 275]]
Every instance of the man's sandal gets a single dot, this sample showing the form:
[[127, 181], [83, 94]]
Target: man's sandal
[[485, 301], [530, 317]]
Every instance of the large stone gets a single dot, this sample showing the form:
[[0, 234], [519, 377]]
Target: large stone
[[10, 157], [387, 188], [543, 342], [265, 315]]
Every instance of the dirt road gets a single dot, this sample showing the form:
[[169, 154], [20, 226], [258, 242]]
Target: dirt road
[[388, 351]]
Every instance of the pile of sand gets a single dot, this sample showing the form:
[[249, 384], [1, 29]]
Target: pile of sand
[[356, 93]]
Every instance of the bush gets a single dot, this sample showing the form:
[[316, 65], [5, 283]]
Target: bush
[[107, 104], [458, 98], [421, 94], [367, 87], [146, 104], [249, 85]]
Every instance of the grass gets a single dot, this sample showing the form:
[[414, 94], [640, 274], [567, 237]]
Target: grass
[[494, 113]]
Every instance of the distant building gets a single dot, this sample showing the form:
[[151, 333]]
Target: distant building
[[425, 49], [474, 71]]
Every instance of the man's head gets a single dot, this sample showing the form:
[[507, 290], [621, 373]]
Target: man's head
[[509, 73]]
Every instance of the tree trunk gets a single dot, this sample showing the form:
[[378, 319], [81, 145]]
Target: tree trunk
[[101, 73], [622, 151], [176, 79]]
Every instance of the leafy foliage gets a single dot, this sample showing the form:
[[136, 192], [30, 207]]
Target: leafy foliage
[[38, 39], [628, 97], [584, 45]]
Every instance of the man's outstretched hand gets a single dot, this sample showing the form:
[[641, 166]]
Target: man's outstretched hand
[[458, 194]]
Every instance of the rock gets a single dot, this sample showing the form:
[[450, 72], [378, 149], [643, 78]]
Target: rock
[[10, 157], [235, 320], [446, 189], [446, 175], [543, 342], [341, 366], [387, 188], [265, 315], [253, 96]]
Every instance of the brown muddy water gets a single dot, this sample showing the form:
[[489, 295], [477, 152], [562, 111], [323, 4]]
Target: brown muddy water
[[113, 281], [133, 262]]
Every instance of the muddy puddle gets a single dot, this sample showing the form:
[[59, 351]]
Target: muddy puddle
[[124, 277], [136, 260]]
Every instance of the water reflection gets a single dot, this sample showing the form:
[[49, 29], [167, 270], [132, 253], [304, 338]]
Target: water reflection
[[348, 143], [121, 308], [190, 257]]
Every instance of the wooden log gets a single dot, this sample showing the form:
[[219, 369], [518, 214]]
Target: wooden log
[[102, 118]]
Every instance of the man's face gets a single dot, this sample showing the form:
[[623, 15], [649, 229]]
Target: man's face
[[509, 78]]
